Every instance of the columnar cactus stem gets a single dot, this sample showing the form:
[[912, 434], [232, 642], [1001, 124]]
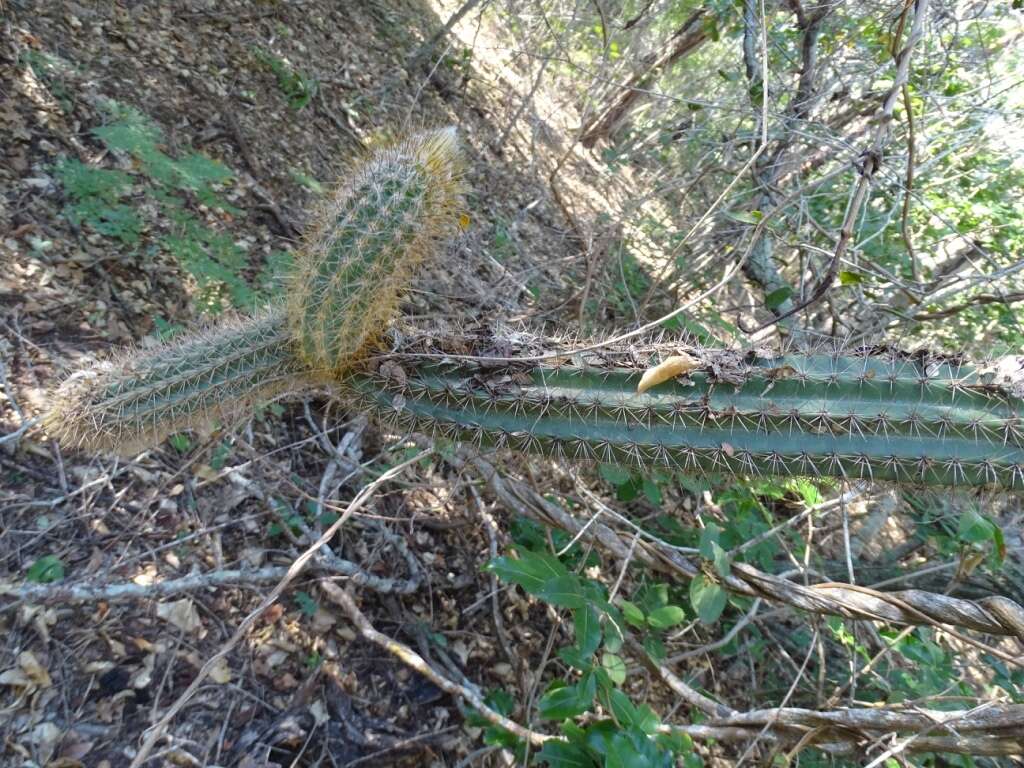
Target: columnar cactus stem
[[134, 401], [365, 242], [882, 418], [380, 225]]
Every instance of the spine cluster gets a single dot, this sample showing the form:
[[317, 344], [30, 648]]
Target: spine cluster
[[875, 418]]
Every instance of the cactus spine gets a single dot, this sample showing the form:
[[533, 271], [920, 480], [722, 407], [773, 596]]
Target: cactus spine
[[892, 419], [379, 226]]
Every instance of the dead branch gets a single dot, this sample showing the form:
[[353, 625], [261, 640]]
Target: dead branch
[[410, 658], [157, 730]]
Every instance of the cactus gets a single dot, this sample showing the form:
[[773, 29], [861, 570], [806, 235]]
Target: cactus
[[134, 401], [363, 246], [882, 417], [380, 225], [878, 414]]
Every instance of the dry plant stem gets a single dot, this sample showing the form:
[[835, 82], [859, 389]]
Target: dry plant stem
[[993, 615], [691, 696], [330, 562], [410, 658], [157, 730], [92, 593], [870, 161], [491, 527]]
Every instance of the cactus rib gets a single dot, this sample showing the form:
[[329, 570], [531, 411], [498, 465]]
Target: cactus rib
[[817, 416]]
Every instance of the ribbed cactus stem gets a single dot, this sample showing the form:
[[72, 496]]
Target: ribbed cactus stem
[[134, 401], [370, 235], [879, 418], [364, 245]]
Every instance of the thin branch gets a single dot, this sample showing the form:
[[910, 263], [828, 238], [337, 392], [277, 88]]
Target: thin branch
[[410, 658], [157, 730], [869, 163]]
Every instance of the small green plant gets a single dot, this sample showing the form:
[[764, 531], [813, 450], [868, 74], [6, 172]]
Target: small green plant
[[96, 195], [46, 570], [297, 86], [111, 202], [603, 726]]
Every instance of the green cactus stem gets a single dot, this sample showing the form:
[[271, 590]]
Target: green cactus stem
[[370, 235], [886, 417], [364, 245], [135, 400]]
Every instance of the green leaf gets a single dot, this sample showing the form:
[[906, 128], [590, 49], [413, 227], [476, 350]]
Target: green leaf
[[974, 528], [613, 633], [564, 591], [711, 534], [721, 560], [633, 748], [655, 648], [622, 708], [665, 617], [778, 297], [587, 624], [850, 278], [531, 570], [571, 655], [46, 570], [197, 171], [615, 667], [306, 603], [629, 715], [652, 491], [678, 743], [745, 217], [708, 599], [615, 474], [180, 442], [630, 489], [561, 754], [501, 701], [632, 614], [561, 701]]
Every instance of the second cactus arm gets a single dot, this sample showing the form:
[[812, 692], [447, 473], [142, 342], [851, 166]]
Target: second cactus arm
[[134, 401], [892, 419]]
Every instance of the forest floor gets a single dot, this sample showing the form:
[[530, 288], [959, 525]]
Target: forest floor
[[158, 161], [283, 96]]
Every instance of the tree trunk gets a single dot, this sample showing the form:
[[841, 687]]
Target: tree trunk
[[686, 39]]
